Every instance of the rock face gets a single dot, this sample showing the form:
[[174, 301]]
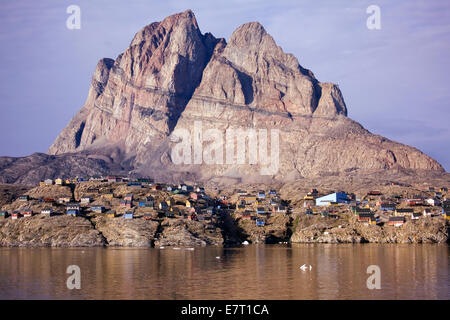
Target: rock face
[[57, 231], [136, 100], [121, 232], [318, 230], [172, 75], [188, 233]]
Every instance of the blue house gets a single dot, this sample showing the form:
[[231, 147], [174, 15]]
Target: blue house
[[128, 215], [145, 203], [337, 197], [260, 222], [134, 184], [98, 209], [388, 207], [73, 212]]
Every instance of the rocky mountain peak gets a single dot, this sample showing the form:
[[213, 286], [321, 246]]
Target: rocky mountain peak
[[172, 75]]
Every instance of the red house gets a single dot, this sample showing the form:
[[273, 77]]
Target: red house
[[16, 215], [194, 196], [27, 213], [396, 221]]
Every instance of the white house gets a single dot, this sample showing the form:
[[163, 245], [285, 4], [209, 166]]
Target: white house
[[433, 202]]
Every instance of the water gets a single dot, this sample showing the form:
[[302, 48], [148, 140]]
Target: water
[[252, 272]]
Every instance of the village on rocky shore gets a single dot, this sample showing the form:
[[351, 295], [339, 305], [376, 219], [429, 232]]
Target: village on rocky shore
[[118, 211]]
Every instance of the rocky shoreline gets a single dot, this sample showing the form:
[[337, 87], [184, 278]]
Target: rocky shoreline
[[67, 231], [427, 230]]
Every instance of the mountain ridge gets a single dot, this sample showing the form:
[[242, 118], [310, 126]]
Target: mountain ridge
[[172, 75]]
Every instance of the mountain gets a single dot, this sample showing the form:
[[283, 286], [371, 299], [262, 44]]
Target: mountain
[[175, 88]]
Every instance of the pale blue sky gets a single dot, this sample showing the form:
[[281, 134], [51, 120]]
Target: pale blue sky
[[395, 81]]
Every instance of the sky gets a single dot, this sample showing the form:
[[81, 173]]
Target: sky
[[395, 80]]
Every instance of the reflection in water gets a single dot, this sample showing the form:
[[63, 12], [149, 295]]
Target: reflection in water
[[252, 272]]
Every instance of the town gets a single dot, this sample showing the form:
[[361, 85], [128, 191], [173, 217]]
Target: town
[[240, 215]]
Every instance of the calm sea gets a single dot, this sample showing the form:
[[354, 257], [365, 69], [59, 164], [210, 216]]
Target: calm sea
[[251, 272]]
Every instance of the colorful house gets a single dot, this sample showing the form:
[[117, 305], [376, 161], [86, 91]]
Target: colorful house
[[128, 215], [64, 200], [111, 214], [28, 213], [200, 189], [194, 196], [113, 179], [337, 197], [86, 200], [47, 211], [246, 215], [367, 218], [396, 221], [163, 205], [308, 196], [73, 206], [98, 209], [357, 210], [388, 206], [433, 202], [404, 211], [416, 215], [260, 210], [73, 212], [260, 222], [447, 215], [134, 184], [16, 215], [24, 198], [415, 202], [145, 203]]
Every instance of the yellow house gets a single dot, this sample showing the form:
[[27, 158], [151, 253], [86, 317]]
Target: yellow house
[[111, 214], [67, 181], [59, 181], [168, 202], [108, 195], [42, 183], [447, 215], [188, 204]]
